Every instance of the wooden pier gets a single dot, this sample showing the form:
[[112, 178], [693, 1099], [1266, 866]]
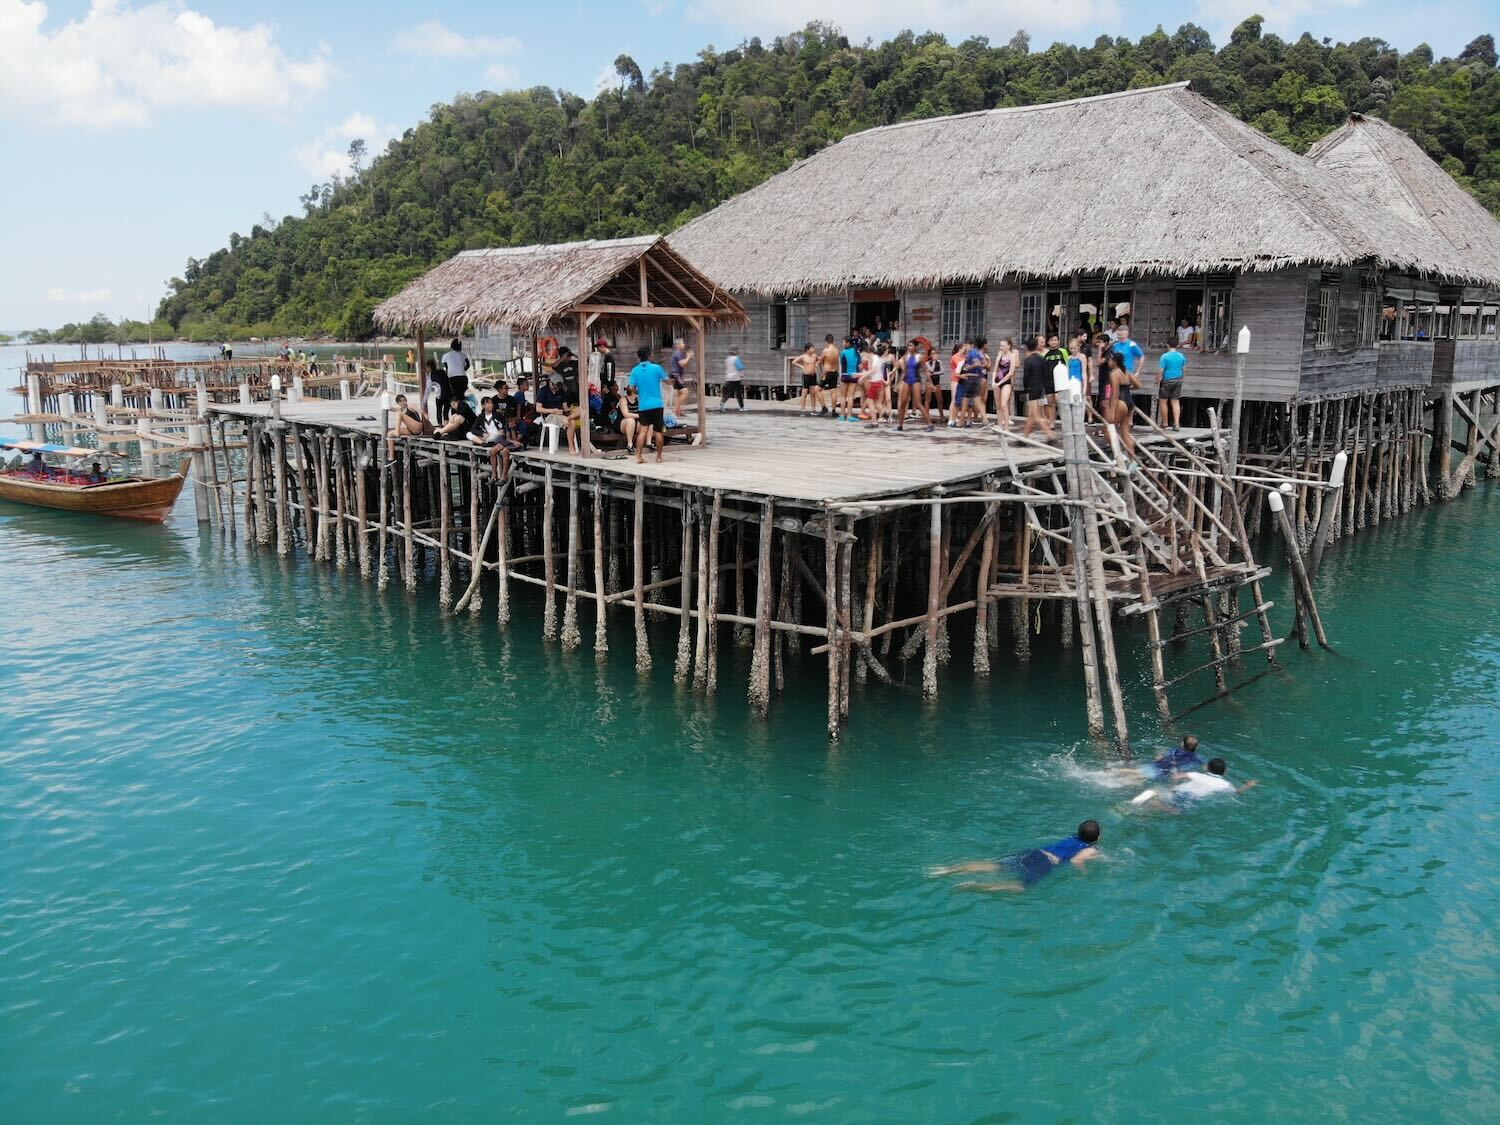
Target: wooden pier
[[863, 546]]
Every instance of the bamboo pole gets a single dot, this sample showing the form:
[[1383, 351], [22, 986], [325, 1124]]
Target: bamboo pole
[[382, 560], [846, 618], [1076, 467], [711, 680], [409, 547], [361, 515], [278, 451], [684, 667], [783, 610], [742, 634], [549, 606], [445, 501], [320, 474], [571, 638], [304, 501], [601, 630], [831, 622], [502, 550], [477, 547], [1301, 582], [340, 508], [706, 580], [637, 574], [934, 597]]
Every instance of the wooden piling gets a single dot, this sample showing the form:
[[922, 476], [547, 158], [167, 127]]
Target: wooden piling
[[571, 638], [684, 668], [445, 500], [409, 546], [934, 587], [760, 659], [549, 568], [601, 631], [637, 575]]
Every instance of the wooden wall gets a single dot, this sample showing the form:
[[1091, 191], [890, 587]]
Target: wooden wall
[[1476, 363]]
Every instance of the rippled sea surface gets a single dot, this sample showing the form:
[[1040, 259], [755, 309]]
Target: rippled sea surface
[[275, 848]]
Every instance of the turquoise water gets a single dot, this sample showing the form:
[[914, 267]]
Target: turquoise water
[[275, 848]]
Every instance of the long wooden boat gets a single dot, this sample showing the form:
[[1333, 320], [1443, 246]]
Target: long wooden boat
[[131, 498]]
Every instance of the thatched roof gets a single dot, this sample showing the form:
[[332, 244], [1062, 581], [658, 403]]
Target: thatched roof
[[1381, 163], [526, 287], [1146, 181]]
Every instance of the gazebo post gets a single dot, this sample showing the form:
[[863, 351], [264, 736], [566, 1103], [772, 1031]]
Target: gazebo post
[[585, 446], [421, 372], [702, 384]]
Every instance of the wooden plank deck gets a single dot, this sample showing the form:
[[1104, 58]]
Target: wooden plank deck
[[768, 451]]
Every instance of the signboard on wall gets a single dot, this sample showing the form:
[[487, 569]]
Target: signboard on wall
[[922, 314]]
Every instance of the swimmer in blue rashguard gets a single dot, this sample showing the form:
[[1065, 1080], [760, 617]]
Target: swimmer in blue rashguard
[[1032, 865], [1169, 765]]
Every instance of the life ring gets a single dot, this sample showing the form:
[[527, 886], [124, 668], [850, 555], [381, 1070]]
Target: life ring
[[547, 345]]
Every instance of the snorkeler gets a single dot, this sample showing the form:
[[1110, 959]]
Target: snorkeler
[[1192, 788], [1032, 865]]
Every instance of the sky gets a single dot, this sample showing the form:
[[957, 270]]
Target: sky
[[136, 135]]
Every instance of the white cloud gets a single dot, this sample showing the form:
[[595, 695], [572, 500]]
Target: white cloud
[[501, 76], [606, 79], [327, 154], [119, 63], [435, 38], [61, 296], [878, 18], [656, 8]]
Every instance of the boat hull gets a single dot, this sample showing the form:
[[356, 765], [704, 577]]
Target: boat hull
[[148, 500]]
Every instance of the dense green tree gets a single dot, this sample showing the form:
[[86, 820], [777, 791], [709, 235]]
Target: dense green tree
[[650, 152]]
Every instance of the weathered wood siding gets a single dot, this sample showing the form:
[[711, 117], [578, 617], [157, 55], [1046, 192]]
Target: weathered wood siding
[[1271, 305], [1476, 363], [1347, 367]]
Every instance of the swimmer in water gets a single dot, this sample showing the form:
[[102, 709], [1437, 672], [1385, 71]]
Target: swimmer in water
[[1192, 788], [1171, 764], [1032, 865]]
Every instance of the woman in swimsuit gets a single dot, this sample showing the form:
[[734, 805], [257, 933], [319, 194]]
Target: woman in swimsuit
[[1005, 361], [1120, 408]]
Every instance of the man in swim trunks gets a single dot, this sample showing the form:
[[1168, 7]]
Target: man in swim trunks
[[829, 360], [1032, 865], [807, 364], [1192, 788]]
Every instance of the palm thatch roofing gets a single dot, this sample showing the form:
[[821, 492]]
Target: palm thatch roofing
[[1153, 181], [525, 288], [1380, 162]]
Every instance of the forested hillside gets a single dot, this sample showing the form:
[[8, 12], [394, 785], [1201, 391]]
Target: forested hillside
[[647, 155]]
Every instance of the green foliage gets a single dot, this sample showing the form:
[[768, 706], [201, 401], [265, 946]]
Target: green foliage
[[99, 329], [653, 151]]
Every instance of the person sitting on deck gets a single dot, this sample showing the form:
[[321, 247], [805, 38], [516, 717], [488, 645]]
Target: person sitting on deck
[[647, 379], [460, 421], [97, 475], [37, 466], [489, 430], [1192, 788], [1032, 865], [406, 421]]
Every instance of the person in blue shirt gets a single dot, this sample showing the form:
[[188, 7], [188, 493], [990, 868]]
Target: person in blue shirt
[[1169, 386], [1128, 350], [1170, 764], [849, 364], [647, 379], [1032, 865]]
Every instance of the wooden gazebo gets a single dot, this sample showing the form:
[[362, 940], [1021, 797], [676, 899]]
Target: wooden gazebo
[[561, 288]]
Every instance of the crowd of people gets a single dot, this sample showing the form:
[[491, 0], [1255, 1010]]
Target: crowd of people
[[1186, 781], [637, 413], [873, 380]]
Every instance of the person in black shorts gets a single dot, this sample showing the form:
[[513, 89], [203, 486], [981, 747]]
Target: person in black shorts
[[1037, 377]]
